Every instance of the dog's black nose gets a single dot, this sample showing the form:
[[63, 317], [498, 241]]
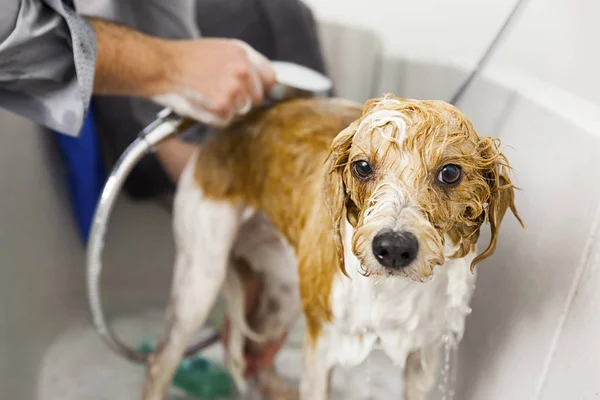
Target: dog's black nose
[[395, 249]]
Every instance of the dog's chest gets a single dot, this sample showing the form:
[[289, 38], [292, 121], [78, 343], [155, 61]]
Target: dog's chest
[[396, 314]]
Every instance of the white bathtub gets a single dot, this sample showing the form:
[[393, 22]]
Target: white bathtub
[[535, 321]]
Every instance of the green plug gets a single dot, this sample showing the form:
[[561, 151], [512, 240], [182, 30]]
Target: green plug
[[200, 378]]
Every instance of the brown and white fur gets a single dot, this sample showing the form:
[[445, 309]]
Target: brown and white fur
[[280, 192]]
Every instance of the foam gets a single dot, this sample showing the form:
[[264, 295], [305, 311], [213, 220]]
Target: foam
[[378, 119]]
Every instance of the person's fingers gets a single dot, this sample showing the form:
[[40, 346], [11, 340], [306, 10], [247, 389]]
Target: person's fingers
[[247, 95], [267, 74], [234, 79], [264, 72], [222, 106], [263, 67], [189, 104], [209, 118], [243, 104], [251, 82], [255, 87]]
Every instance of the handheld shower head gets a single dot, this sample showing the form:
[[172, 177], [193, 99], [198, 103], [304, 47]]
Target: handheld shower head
[[293, 80]]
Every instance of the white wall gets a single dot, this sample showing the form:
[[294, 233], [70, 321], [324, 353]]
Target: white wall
[[556, 41], [429, 30], [533, 334], [552, 41]]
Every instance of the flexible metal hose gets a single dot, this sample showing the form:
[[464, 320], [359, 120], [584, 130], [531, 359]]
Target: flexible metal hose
[[167, 125], [486, 54]]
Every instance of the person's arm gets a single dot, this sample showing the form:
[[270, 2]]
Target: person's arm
[[210, 80], [129, 63], [48, 68]]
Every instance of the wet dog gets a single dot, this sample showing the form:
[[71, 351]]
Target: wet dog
[[364, 218]]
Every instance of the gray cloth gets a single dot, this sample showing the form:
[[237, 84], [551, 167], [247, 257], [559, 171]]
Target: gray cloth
[[119, 119], [172, 19], [47, 63]]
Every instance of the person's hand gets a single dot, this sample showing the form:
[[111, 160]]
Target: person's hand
[[213, 80], [209, 80]]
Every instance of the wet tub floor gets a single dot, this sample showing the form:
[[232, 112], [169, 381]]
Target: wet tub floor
[[80, 366]]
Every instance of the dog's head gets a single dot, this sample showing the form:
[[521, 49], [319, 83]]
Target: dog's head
[[413, 178]]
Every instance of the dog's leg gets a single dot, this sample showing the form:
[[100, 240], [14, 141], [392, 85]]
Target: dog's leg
[[420, 373], [274, 265], [271, 265], [199, 278], [238, 328], [316, 369], [205, 231]]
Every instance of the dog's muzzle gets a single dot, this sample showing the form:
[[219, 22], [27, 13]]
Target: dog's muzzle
[[395, 250]]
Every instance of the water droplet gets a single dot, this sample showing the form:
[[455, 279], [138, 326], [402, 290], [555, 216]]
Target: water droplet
[[448, 377]]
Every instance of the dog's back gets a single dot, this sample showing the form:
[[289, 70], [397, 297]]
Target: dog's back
[[265, 158]]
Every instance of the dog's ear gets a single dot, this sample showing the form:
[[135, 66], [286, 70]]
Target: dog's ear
[[336, 196], [501, 193]]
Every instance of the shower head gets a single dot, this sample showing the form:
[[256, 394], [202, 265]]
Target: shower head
[[293, 80]]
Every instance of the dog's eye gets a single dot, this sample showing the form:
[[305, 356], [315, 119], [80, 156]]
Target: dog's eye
[[362, 169], [450, 175]]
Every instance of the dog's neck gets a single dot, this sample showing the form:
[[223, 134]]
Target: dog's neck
[[454, 275], [395, 312]]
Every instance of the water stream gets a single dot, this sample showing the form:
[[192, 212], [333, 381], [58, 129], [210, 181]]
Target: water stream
[[448, 367]]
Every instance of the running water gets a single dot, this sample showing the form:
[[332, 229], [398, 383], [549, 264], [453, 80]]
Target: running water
[[369, 379], [448, 373]]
